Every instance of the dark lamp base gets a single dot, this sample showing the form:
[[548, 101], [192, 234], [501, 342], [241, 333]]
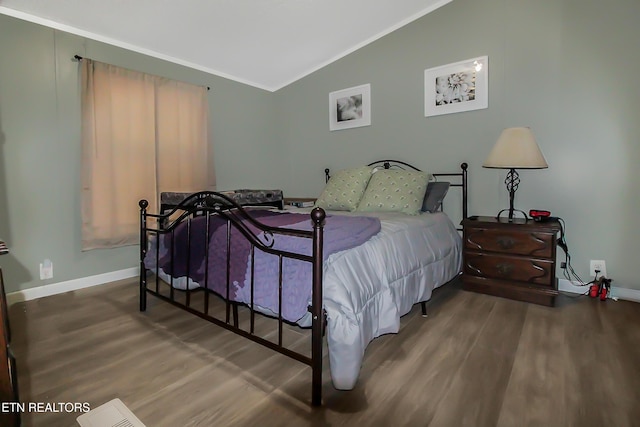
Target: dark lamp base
[[510, 217]]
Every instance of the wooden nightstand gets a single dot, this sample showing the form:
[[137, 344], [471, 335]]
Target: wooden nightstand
[[514, 260]]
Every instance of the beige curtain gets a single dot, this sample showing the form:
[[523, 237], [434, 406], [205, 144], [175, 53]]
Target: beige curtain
[[141, 134]]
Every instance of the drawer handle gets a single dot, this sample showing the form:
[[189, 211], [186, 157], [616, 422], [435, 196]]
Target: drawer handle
[[506, 242], [504, 268]]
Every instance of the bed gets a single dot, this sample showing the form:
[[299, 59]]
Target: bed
[[348, 268]]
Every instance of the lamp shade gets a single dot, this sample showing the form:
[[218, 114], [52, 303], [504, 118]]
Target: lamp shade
[[516, 149]]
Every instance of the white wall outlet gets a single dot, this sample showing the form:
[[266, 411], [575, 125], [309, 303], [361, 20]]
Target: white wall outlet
[[600, 265], [46, 269]]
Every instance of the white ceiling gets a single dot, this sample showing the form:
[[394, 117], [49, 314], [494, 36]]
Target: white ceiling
[[264, 43]]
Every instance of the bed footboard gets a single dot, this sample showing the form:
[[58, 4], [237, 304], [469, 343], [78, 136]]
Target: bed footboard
[[200, 253]]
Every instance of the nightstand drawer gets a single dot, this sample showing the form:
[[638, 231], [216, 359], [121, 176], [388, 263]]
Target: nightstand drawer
[[512, 268], [508, 241]]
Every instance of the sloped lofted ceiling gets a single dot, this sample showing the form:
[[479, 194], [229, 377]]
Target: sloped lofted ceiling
[[263, 43]]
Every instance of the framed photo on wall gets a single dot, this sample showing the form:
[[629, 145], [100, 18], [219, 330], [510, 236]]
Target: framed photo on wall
[[461, 86], [350, 108]]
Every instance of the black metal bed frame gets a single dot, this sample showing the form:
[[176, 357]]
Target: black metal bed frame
[[208, 203]]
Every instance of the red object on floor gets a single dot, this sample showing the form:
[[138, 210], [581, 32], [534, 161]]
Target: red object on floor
[[603, 293], [594, 290]]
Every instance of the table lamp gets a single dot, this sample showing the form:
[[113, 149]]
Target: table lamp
[[516, 149]]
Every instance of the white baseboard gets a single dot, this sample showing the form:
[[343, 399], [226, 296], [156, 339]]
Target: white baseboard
[[71, 285], [565, 285]]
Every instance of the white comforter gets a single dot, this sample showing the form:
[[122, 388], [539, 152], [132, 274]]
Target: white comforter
[[368, 288]]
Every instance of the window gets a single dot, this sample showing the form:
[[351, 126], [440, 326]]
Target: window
[[141, 134]]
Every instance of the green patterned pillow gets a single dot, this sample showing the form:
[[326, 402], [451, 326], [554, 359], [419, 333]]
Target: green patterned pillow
[[345, 189], [395, 190]]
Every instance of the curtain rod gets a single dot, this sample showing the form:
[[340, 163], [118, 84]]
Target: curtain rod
[[80, 58]]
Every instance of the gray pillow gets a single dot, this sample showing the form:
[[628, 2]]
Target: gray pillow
[[436, 190]]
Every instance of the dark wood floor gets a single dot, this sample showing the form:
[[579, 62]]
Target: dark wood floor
[[475, 361]]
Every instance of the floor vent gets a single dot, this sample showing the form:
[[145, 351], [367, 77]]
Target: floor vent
[[112, 414]]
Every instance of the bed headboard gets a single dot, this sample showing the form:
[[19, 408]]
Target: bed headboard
[[456, 179]]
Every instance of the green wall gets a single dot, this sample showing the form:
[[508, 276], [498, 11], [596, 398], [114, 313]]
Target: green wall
[[566, 68], [40, 147]]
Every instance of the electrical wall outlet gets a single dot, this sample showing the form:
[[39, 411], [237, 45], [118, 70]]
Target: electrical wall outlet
[[46, 269], [600, 265]]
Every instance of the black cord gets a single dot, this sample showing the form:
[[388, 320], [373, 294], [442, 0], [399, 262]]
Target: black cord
[[568, 272], [570, 295]]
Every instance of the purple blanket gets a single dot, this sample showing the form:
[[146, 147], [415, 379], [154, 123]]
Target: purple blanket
[[185, 258], [340, 233]]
